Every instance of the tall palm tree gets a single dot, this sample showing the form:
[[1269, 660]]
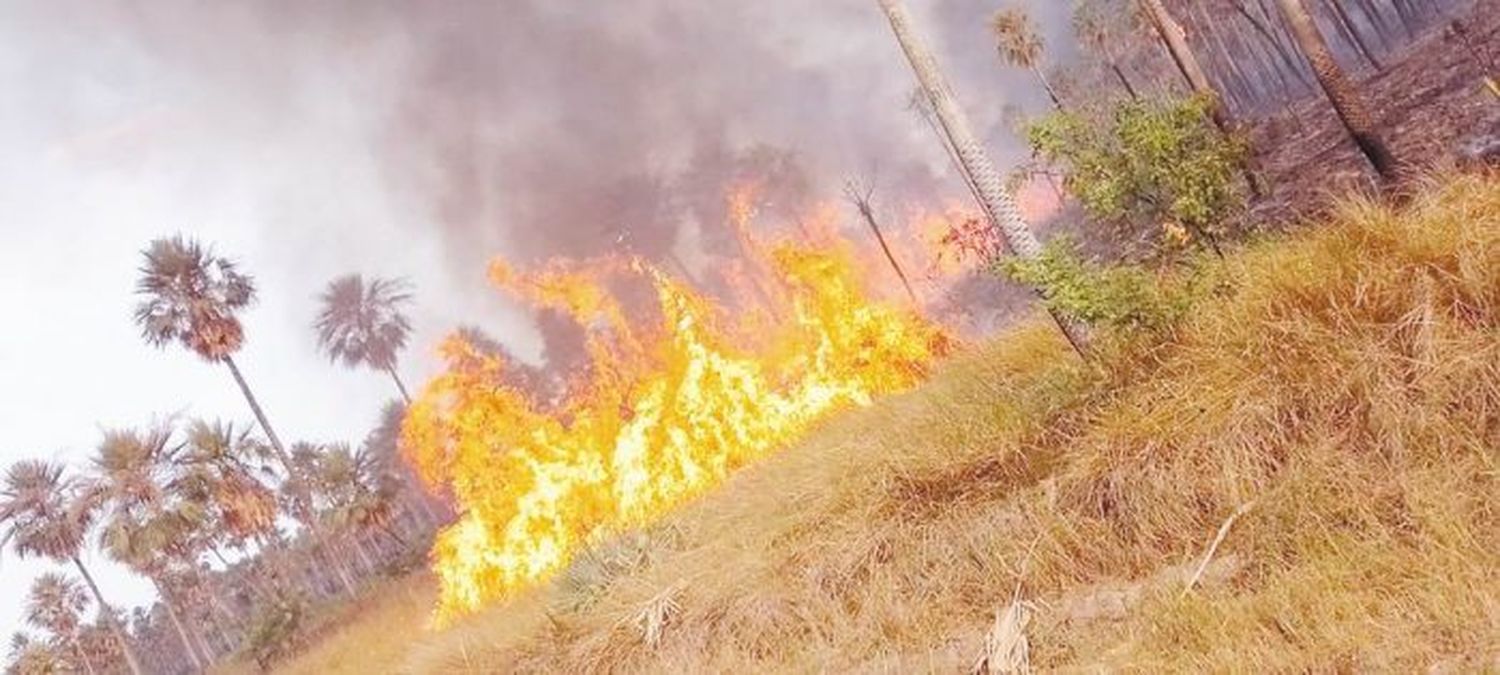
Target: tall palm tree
[[192, 297], [143, 527], [56, 604], [362, 324], [1020, 45], [1341, 91], [40, 516], [981, 175]]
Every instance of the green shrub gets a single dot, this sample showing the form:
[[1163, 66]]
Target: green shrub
[[1127, 297], [277, 629], [1159, 173]]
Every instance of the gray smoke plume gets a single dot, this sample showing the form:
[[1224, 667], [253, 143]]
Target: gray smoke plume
[[524, 128]]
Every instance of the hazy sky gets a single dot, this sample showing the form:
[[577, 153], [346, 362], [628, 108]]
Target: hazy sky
[[311, 139]]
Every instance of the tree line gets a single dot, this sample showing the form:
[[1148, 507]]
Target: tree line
[[286, 524]]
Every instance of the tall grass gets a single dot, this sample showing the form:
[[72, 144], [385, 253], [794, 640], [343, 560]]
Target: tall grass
[[1340, 390]]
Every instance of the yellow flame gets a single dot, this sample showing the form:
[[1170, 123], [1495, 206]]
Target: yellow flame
[[669, 410]]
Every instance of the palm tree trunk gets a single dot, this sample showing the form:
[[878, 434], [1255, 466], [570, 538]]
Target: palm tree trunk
[[1047, 85], [399, 385], [187, 642], [131, 659], [998, 205], [1346, 99], [299, 487]]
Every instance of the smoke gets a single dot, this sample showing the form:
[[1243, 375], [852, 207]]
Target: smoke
[[536, 128]]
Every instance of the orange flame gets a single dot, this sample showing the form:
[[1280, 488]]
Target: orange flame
[[669, 410]]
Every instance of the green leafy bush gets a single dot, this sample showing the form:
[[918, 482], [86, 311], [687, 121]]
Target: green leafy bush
[[1158, 172], [277, 629], [1128, 297]]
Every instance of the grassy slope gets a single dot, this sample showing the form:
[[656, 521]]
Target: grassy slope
[[1345, 383]]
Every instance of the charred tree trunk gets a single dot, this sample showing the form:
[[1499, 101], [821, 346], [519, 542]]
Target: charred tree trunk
[[1341, 91], [862, 203]]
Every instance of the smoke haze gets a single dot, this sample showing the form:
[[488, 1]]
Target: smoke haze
[[312, 139]]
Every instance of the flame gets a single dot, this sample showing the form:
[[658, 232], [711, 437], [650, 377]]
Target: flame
[[672, 404]]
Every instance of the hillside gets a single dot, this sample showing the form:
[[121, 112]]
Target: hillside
[[1338, 389]]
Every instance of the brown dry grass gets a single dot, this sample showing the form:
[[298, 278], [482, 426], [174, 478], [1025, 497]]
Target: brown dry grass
[[1345, 380]]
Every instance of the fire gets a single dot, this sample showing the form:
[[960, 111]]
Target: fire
[[670, 406]]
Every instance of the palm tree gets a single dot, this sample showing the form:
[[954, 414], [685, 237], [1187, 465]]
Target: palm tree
[[362, 324], [42, 517], [981, 175], [351, 495], [191, 298], [1341, 91], [217, 468], [1019, 45], [143, 527], [56, 604]]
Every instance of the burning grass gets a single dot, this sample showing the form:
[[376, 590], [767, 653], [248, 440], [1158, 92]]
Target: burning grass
[[1345, 380], [667, 410]]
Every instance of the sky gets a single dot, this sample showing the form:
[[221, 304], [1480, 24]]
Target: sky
[[306, 140]]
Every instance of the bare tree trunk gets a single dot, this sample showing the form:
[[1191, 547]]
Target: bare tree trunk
[[1175, 39], [132, 660], [363, 553], [997, 204], [299, 486], [1351, 33], [862, 202], [1346, 100], [1124, 81], [1270, 37], [187, 643], [1377, 20]]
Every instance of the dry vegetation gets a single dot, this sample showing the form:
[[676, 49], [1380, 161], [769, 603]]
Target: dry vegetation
[[1340, 389]]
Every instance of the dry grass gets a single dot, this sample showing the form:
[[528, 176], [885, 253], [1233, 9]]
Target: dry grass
[[365, 636], [1345, 381]]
